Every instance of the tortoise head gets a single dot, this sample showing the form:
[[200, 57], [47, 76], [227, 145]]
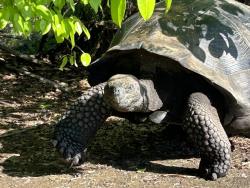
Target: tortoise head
[[125, 93]]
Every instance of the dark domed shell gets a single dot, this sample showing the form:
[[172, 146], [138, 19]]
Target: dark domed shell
[[210, 37]]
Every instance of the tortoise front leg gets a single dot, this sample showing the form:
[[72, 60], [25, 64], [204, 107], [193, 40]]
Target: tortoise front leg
[[203, 126], [80, 123]]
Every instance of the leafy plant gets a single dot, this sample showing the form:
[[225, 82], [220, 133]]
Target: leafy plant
[[43, 16]]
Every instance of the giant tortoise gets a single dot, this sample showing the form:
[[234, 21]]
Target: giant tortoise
[[190, 66]]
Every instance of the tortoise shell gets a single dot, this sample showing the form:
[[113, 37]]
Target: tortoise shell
[[210, 38]]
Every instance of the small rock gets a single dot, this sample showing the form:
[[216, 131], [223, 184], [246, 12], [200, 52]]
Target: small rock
[[9, 77], [243, 175]]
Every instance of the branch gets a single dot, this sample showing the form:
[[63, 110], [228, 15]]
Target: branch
[[4, 35], [15, 132], [29, 58], [62, 86]]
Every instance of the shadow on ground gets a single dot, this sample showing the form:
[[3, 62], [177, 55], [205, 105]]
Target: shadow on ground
[[29, 151], [27, 107]]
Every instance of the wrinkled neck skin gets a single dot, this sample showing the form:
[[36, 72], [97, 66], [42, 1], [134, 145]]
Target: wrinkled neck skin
[[152, 101], [125, 93], [237, 122]]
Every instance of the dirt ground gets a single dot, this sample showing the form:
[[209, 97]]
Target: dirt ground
[[122, 154]]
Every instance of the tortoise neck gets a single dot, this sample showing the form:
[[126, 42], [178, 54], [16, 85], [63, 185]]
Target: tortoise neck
[[151, 99]]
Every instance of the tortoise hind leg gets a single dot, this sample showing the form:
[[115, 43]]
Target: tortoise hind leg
[[202, 123], [80, 123]]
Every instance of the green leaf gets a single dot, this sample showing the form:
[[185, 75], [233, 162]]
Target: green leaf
[[72, 60], [37, 25], [72, 25], [85, 30], [18, 23], [85, 2], [27, 28], [6, 2], [59, 31], [59, 38], [56, 21], [74, 55], [95, 4], [71, 30], [44, 12], [71, 4], [67, 28], [59, 27], [78, 27], [72, 39], [42, 2], [168, 5], [146, 8], [27, 12], [7, 13], [118, 8], [45, 27], [64, 62], [3, 23], [59, 3], [19, 3], [85, 59]]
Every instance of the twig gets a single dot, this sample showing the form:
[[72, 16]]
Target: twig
[[62, 86], [29, 58], [4, 35], [14, 132]]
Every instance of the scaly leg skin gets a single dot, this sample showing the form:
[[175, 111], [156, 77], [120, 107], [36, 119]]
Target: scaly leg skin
[[80, 123], [202, 123]]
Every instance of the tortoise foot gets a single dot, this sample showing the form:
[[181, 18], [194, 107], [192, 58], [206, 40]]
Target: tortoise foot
[[212, 170], [72, 152], [202, 123], [79, 125]]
